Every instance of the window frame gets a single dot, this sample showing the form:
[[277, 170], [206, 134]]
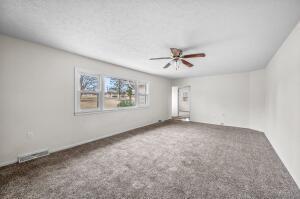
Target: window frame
[[101, 92], [78, 73], [147, 94]]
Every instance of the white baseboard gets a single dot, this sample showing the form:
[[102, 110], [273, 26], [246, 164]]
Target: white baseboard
[[2, 164]]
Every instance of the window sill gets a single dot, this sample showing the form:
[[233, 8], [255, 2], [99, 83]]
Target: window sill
[[110, 110]]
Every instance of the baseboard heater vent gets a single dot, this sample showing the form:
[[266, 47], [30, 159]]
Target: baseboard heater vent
[[32, 156]]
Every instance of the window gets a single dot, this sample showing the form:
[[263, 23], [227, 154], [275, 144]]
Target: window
[[119, 93], [143, 94], [88, 92], [95, 93]]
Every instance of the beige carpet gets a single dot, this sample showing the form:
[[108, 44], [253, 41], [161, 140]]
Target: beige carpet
[[171, 160]]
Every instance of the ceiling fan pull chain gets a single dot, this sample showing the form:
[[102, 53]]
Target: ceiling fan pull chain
[[177, 65]]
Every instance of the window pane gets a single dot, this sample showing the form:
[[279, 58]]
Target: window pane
[[142, 89], [118, 93], [143, 93], [89, 83], [89, 100], [142, 99]]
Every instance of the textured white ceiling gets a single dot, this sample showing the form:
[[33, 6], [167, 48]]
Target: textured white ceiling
[[236, 35]]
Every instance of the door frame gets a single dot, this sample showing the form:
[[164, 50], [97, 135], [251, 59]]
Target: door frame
[[188, 99]]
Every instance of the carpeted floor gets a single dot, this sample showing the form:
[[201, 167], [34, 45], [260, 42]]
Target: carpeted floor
[[170, 160]]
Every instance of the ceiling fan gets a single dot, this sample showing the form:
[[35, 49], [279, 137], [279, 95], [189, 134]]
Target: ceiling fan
[[177, 57]]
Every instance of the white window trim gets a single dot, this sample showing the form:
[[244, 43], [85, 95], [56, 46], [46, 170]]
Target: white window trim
[[101, 108], [77, 91], [147, 94]]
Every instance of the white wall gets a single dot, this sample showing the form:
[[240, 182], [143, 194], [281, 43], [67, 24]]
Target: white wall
[[37, 95], [257, 100], [233, 100], [219, 99], [283, 103]]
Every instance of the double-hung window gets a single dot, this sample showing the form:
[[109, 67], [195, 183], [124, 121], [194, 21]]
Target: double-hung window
[[143, 94], [87, 92]]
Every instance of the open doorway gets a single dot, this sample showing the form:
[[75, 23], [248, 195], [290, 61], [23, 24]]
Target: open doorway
[[184, 102], [181, 103]]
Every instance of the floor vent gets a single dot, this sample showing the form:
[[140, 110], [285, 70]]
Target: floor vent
[[32, 156]]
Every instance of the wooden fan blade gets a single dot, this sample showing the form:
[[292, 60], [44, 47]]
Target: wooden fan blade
[[169, 64], [160, 58], [186, 63], [194, 55]]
